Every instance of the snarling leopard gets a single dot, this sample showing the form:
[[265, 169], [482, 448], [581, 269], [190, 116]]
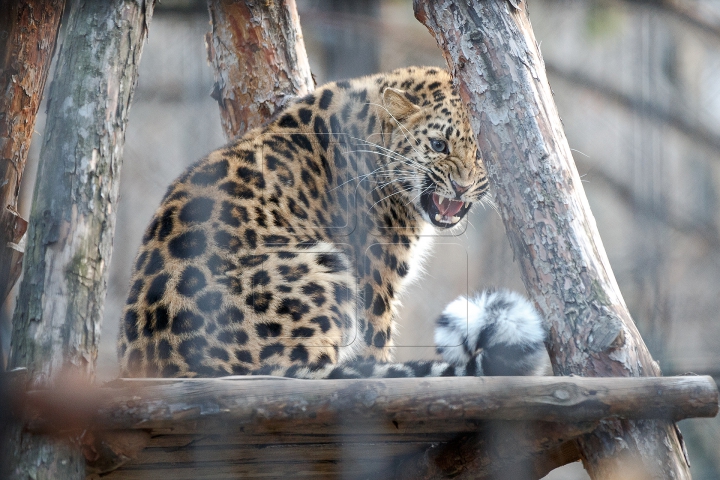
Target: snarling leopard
[[285, 252]]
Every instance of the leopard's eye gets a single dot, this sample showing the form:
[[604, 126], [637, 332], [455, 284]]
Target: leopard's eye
[[439, 145]]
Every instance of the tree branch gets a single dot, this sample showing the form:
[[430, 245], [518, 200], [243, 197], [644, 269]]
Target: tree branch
[[694, 131], [259, 56], [693, 13], [705, 232]]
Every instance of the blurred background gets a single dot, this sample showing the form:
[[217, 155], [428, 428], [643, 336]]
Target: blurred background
[[637, 83]]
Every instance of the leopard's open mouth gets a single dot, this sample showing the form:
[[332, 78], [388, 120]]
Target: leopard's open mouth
[[443, 212]]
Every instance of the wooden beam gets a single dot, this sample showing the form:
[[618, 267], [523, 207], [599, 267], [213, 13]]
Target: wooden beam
[[374, 405]]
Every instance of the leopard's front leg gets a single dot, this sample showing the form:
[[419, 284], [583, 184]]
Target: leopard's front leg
[[379, 321], [384, 268]]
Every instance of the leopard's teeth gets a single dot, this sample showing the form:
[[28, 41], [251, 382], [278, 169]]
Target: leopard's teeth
[[466, 204], [441, 218]]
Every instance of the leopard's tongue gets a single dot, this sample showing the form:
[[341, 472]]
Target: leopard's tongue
[[447, 207]]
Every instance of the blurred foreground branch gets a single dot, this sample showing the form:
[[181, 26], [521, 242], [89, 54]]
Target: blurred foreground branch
[[696, 14], [694, 131], [705, 232]]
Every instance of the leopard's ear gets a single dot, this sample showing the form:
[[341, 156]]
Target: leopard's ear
[[398, 103]]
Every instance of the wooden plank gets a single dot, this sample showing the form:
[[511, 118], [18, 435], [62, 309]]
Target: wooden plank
[[200, 422], [234, 471], [505, 443], [230, 426], [274, 461]]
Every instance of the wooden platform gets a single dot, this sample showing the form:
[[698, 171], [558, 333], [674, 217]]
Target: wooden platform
[[268, 427]]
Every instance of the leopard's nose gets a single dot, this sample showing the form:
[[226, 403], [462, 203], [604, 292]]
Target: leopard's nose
[[459, 189]]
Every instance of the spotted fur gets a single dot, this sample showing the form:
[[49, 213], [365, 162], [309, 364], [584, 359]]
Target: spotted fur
[[285, 251]]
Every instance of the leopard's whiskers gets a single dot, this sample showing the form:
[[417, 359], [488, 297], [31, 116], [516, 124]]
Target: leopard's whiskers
[[392, 153], [387, 196]]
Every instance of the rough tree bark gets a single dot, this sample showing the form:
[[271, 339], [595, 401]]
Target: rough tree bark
[[493, 55], [57, 320], [28, 33], [259, 56]]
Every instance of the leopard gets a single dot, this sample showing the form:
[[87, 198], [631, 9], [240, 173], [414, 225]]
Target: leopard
[[286, 251]]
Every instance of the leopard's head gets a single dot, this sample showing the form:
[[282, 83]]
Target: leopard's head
[[435, 159]]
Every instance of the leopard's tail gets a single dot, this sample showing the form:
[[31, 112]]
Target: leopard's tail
[[494, 333]]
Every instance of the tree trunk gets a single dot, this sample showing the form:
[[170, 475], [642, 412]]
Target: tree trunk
[[29, 33], [260, 63], [496, 62], [57, 320]]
